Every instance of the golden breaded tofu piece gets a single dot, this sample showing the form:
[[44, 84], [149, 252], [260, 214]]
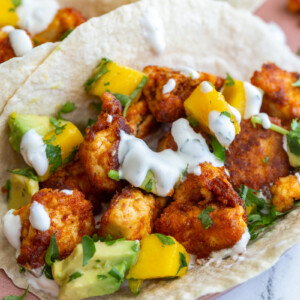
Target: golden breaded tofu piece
[[285, 191], [281, 99], [212, 184], [71, 218], [140, 119], [169, 107], [99, 151], [294, 5], [256, 157], [181, 221], [129, 215], [65, 20]]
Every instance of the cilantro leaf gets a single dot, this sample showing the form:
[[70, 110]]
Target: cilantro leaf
[[57, 124], [193, 122], [185, 170], [47, 271], [122, 98], [22, 269], [53, 153], [97, 106], [71, 156], [266, 159], [13, 297], [293, 137], [66, 108], [91, 122], [113, 174], [116, 274], [297, 83], [229, 81], [166, 240], [182, 262], [15, 3], [101, 277], [52, 253], [27, 172], [250, 197], [74, 276], [204, 217], [100, 70], [65, 34], [226, 113], [218, 150], [89, 249]]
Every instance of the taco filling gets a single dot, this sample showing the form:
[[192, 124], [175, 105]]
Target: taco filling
[[178, 167]]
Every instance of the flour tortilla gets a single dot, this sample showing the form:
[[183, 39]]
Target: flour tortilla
[[206, 35]]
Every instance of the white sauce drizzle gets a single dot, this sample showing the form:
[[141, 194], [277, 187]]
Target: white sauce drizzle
[[67, 192], [169, 86], [253, 100], [153, 32], [298, 176], [33, 150], [266, 123], [36, 15], [12, 228], [39, 218], [222, 127], [197, 170], [189, 72], [8, 29], [20, 42], [236, 113], [109, 118], [136, 158], [206, 87], [43, 283]]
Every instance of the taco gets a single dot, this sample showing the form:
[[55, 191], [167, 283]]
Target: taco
[[209, 37]]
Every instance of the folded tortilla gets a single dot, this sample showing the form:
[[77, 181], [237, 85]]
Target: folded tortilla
[[208, 36]]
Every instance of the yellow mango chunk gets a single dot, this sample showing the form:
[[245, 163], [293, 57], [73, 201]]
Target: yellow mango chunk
[[235, 95], [160, 256], [114, 78], [7, 15], [68, 140], [204, 99]]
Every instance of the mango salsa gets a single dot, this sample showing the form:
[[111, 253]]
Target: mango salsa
[[160, 256], [7, 14], [235, 95], [67, 139], [205, 99], [112, 77]]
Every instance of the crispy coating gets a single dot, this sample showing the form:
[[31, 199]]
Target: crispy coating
[[65, 20], [212, 184], [99, 151], [140, 119], [256, 157], [167, 142], [294, 5], [281, 99], [71, 218], [129, 215], [169, 107], [181, 221], [285, 191]]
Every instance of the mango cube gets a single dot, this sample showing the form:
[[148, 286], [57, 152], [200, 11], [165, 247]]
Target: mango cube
[[204, 99], [7, 14], [160, 258], [114, 78], [235, 95]]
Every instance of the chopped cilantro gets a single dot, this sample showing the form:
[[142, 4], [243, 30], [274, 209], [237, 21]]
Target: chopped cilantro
[[47, 271], [53, 153], [52, 253], [65, 34], [97, 106], [100, 70], [91, 122], [22, 269], [101, 277], [297, 83], [108, 240], [218, 149], [106, 83], [13, 297], [166, 240], [226, 113], [192, 121], [27, 172], [266, 159], [15, 3], [257, 120], [113, 174], [57, 124], [205, 218], [185, 170], [182, 262], [122, 98], [71, 156], [116, 274], [7, 187], [293, 137], [66, 108], [250, 197], [74, 276], [229, 81], [89, 249]]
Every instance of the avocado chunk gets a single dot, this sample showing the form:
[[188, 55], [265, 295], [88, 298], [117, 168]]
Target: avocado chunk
[[149, 184], [102, 275], [19, 124], [21, 190]]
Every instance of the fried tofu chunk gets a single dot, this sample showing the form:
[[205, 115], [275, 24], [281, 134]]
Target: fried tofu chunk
[[285, 191], [64, 22], [281, 99], [99, 151], [181, 221], [212, 184], [140, 119], [71, 218], [129, 215], [168, 106], [256, 157], [6, 50], [294, 5]]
